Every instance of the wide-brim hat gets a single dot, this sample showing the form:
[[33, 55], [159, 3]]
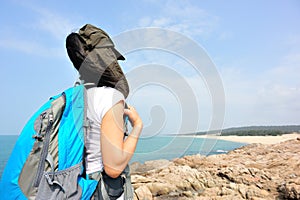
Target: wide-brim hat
[[94, 55], [98, 38]]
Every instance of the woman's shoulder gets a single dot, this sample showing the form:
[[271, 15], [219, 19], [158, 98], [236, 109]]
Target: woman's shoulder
[[101, 99], [107, 92]]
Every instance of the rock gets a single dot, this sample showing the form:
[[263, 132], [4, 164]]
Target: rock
[[140, 180], [254, 171], [225, 191], [189, 194], [242, 189], [290, 191], [156, 165], [158, 189], [134, 166], [144, 193]]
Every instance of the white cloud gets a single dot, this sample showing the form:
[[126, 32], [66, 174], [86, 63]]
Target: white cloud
[[293, 40], [54, 23], [31, 47], [281, 88], [266, 98], [183, 17], [226, 35]]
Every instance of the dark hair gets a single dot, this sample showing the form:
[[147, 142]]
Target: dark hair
[[77, 49]]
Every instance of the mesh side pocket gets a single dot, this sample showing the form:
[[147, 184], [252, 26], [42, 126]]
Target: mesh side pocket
[[60, 185]]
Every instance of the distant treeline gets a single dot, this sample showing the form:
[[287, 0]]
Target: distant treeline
[[255, 133], [255, 130]]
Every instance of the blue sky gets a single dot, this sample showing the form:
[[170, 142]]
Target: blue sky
[[255, 46]]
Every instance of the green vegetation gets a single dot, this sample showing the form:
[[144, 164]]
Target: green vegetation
[[255, 131]]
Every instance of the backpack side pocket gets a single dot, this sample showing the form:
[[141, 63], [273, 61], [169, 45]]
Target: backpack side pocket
[[61, 184]]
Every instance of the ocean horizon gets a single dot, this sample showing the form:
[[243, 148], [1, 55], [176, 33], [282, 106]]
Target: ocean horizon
[[149, 148]]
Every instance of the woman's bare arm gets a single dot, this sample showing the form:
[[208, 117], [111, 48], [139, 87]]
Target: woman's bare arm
[[116, 152]]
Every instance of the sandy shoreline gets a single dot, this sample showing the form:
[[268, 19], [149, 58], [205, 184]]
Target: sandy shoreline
[[254, 139]]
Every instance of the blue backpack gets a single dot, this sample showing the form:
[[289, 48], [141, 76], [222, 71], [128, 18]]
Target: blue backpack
[[47, 161]]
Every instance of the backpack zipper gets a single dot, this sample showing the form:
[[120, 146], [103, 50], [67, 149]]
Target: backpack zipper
[[44, 153]]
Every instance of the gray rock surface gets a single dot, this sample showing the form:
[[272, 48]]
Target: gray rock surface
[[254, 171]]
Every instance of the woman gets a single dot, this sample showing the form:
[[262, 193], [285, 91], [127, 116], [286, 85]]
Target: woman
[[107, 152]]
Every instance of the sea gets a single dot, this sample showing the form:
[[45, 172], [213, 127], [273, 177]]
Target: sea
[[149, 148]]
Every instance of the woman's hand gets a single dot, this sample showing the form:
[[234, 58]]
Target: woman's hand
[[134, 117]]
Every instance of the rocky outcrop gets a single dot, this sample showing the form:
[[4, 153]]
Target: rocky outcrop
[[254, 171]]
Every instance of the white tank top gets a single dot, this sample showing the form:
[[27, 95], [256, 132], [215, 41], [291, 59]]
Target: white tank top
[[99, 101]]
